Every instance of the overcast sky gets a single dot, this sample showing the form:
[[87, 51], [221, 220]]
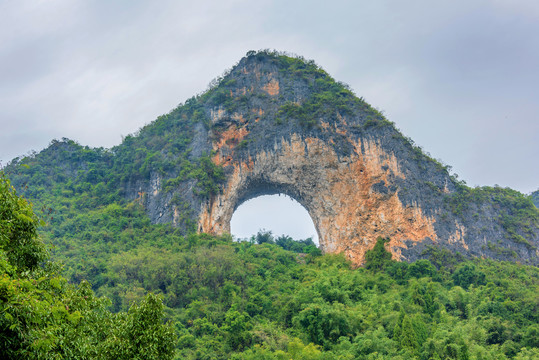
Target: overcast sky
[[460, 77]]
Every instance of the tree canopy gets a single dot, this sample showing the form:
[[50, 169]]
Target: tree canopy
[[45, 317]]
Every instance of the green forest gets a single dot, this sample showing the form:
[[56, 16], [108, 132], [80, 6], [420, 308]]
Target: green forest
[[143, 291], [43, 316], [86, 274]]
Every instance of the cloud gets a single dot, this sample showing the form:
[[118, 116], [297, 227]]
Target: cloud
[[458, 77]]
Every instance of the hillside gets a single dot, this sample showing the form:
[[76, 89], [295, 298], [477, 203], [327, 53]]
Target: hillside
[[250, 300], [535, 198], [45, 317], [128, 219], [273, 124]]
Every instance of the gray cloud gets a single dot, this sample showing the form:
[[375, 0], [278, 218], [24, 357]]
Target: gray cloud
[[459, 77]]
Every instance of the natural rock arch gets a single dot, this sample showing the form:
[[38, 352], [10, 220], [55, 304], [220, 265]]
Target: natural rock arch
[[277, 213], [337, 192], [279, 124]]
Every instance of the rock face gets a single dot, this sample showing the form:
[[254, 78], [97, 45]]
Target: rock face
[[279, 124], [357, 176], [347, 197], [535, 198]]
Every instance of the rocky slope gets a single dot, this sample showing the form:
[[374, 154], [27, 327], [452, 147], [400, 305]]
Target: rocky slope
[[535, 198], [280, 124]]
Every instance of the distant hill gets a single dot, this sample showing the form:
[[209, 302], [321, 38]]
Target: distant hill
[[273, 123], [535, 198]]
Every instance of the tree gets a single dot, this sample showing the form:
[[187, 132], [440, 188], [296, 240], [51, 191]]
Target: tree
[[421, 268], [378, 258], [467, 275], [264, 237], [44, 317], [140, 334], [18, 230], [325, 324], [236, 327], [408, 337]]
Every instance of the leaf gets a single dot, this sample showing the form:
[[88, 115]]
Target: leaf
[[74, 317], [55, 283], [9, 318]]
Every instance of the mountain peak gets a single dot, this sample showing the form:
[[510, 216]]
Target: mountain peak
[[286, 88], [268, 69], [277, 123]]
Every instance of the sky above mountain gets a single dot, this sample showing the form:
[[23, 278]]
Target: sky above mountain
[[458, 77]]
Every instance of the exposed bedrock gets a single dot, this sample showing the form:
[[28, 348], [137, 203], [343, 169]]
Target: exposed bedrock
[[276, 124]]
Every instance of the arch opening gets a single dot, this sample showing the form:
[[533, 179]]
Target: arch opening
[[278, 213]]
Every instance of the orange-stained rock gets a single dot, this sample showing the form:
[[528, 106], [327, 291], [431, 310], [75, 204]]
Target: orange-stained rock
[[272, 87], [337, 192], [353, 171]]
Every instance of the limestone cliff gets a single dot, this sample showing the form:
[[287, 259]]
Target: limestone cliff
[[280, 124]]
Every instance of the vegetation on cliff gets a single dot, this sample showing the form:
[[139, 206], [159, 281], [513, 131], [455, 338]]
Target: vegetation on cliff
[[168, 166], [254, 299], [517, 214], [535, 198]]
